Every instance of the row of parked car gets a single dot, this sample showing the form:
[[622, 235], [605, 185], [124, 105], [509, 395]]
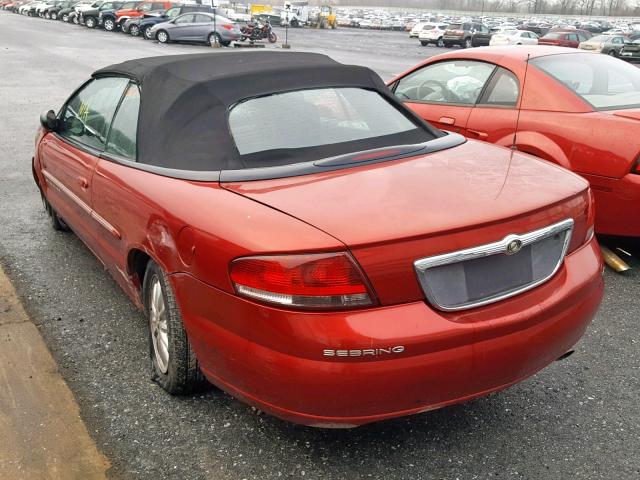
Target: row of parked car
[[469, 34], [150, 19]]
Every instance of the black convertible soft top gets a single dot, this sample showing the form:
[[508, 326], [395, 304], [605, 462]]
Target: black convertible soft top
[[185, 100]]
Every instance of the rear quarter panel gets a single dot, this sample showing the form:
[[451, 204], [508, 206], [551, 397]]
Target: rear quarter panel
[[191, 227]]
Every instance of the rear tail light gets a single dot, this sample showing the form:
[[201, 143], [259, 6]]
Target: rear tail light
[[227, 27], [584, 219], [310, 281], [591, 217]]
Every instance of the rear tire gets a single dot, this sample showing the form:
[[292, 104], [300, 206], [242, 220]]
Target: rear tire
[[174, 366], [468, 43], [76, 21], [440, 43], [90, 22], [214, 38], [57, 223], [162, 36], [447, 45], [134, 30], [147, 33], [273, 38], [423, 43], [612, 53], [65, 18], [54, 16]]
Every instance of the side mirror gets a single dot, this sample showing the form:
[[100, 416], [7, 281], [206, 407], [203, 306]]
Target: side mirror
[[49, 121]]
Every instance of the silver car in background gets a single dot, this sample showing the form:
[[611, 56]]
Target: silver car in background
[[197, 27]]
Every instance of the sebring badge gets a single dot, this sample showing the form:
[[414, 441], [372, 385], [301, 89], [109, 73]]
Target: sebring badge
[[514, 247], [364, 353]]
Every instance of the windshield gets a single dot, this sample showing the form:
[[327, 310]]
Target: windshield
[[309, 121], [600, 38], [605, 82]]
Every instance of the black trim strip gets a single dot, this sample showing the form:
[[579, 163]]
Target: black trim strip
[[195, 175], [339, 162]]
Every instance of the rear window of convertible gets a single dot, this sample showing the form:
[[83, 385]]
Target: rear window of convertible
[[318, 120]]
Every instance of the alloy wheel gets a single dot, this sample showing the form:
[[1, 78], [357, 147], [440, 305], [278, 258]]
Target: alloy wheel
[[109, 25], [158, 325], [90, 22], [134, 30], [214, 38]]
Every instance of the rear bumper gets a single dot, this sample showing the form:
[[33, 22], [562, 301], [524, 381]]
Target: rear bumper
[[273, 359], [617, 204], [228, 36]]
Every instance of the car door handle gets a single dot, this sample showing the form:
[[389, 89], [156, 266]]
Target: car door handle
[[84, 184], [447, 120], [477, 133]]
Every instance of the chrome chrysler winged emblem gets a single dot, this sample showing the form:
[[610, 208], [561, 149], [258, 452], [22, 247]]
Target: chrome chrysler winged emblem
[[513, 247]]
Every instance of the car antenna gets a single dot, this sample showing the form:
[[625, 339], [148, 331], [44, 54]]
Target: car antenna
[[524, 84]]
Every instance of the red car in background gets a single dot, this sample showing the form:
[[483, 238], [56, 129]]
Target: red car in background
[[138, 10], [309, 244], [576, 109], [568, 38]]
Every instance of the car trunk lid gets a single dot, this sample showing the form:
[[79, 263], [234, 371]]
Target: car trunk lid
[[393, 213]]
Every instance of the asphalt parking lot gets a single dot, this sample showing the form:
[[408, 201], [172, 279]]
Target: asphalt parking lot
[[579, 418]]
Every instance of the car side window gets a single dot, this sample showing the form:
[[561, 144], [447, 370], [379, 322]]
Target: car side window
[[124, 129], [617, 40], [455, 81], [203, 19], [184, 19], [503, 89], [485, 30], [87, 115], [582, 38]]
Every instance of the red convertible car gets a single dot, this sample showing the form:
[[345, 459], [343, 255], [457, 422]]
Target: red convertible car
[[309, 244], [576, 109]]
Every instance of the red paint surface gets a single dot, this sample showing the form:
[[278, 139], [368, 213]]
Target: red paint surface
[[386, 215], [556, 125]]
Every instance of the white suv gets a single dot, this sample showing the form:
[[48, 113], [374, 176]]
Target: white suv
[[432, 33]]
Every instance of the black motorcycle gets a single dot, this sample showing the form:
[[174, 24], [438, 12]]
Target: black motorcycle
[[256, 31]]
